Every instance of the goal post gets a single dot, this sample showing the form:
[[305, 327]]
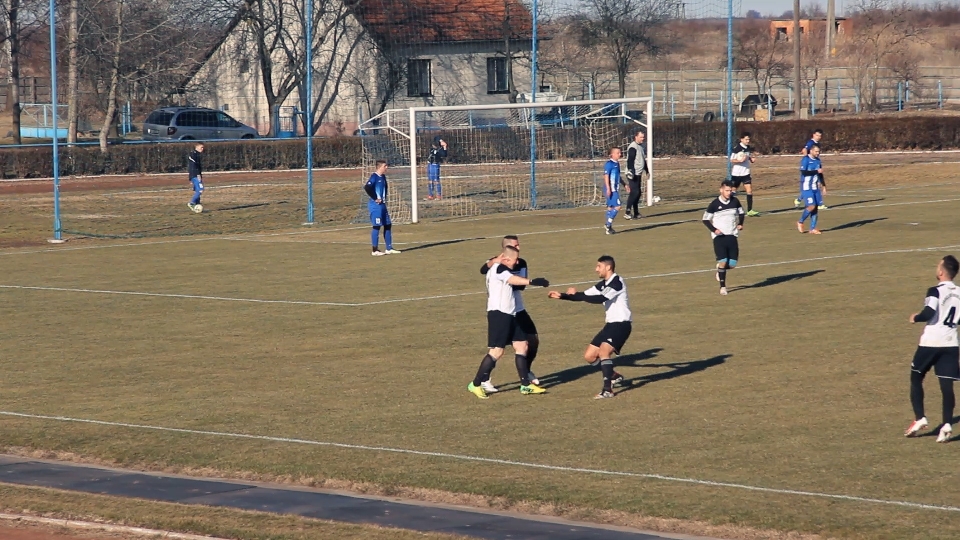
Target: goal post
[[488, 166]]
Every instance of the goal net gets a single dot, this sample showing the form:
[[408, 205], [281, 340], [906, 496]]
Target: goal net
[[488, 168]]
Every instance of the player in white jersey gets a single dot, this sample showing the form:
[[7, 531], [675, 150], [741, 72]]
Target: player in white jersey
[[724, 218], [612, 293], [741, 158], [524, 321], [502, 328], [939, 348]]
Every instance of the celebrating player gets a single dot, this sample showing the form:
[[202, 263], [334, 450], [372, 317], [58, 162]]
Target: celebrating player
[[814, 140], [376, 188], [724, 217], [742, 157], [939, 348], [502, 327], [438, 151], [522, 317], [812, 188], [611, 291], [611, 187]]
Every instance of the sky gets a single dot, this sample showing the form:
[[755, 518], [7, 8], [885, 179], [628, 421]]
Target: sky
[[777, 7]]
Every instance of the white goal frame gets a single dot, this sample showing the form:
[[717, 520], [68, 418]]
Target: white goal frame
[[409, 131]]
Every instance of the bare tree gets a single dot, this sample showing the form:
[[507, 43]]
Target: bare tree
[[882, 30], [20, 19], [73, 71], [572, 63], [759, 52], [625, 30]]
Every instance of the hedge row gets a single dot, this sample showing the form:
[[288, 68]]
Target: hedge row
[[670, 139]]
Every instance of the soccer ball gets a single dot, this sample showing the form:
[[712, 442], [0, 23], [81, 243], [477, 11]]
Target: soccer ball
[[656, 198], [740, 156], [197, 208]]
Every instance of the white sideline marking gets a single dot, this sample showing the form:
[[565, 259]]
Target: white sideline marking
[[455, 295], [650, 476]]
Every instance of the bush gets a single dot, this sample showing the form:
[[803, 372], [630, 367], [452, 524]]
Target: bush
[[502, 144]]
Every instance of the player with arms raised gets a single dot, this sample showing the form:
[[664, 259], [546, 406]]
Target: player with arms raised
[[939, 347]]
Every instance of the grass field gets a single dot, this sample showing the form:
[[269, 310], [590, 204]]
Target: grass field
[[795, 382]]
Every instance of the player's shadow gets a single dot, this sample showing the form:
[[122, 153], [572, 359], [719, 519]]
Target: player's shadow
[[655, 226], [794, 209], [244, 206], [677, 369], [572, 374], [859, 223], [776, 280], [441, 243]]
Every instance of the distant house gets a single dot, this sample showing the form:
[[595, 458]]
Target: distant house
[[783, 28], [387, 54]]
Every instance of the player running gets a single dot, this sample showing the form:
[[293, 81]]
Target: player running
[[741, 157]]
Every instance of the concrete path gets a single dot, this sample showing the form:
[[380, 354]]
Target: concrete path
[[337, 506]]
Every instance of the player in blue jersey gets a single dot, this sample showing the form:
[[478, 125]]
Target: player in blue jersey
[[611, 187], [812, 188], [814, 140], [376, 188], [438, 151]]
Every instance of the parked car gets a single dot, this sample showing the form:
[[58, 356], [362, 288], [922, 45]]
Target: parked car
[[193, 123]]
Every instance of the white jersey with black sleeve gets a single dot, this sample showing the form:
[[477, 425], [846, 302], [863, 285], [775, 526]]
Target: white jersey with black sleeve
[[616, 304], [500, 295], [741, 169], [724, 215], [944, 302]]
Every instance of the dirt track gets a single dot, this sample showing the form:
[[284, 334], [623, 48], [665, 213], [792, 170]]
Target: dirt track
[[24, 532]]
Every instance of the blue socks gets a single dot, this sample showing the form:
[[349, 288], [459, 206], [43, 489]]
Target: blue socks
[[805, 215], [813, 220], [196, 198], [388, 237], [375, 238], [611, 214]]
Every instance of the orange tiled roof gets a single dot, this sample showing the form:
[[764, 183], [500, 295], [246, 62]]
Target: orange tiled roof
[[411, 22]]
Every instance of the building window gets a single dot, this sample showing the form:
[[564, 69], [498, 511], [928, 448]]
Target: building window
[[418, 78], [781, 33], [497, 76], [244, 66]]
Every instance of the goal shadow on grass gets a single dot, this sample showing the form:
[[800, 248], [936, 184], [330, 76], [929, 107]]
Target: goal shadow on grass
[[441, 243], [655, 226], [776, 280]]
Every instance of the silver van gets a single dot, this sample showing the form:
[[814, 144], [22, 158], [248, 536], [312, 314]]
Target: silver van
[[193, 123]]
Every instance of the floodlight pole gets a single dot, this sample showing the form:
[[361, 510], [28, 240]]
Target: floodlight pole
[[798, 104], [533, 111], [308, 105], [57, 227], [730, 114]]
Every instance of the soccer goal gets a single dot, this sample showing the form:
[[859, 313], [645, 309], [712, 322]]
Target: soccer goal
[[488, 167]]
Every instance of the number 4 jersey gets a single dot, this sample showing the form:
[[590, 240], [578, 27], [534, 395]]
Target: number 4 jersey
[[941, 329]]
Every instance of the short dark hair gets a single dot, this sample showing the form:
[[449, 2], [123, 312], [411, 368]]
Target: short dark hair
[[507, 238], [511, 248], [608, 260], [640, 132], [726, 182], [951, 265], [818, 130], [817, 146], [745, 134], [381, 162]]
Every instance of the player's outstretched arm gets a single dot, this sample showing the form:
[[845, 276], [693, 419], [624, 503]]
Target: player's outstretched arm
[[518, 281]]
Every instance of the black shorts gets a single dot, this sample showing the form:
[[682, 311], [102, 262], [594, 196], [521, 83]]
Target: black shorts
[[502, 330], [526, 323], [945, 361], [726, 247], [737, 180], [614, 334]]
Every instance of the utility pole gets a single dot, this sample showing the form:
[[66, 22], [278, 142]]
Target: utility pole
[[831, 26], [798, 103]]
